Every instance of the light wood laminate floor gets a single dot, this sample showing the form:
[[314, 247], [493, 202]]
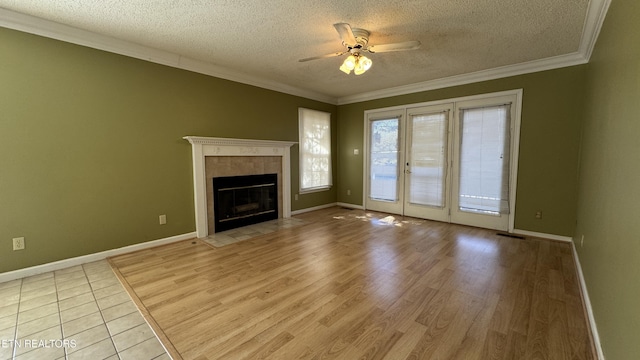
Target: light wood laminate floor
[[350, 284]]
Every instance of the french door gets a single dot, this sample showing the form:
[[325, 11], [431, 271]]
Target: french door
[[449, 161]]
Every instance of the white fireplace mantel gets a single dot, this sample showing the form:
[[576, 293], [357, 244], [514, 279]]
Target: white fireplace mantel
[[211, 146]]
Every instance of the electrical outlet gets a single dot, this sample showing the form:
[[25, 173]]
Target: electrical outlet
[[18, 243], [538, 214], [295, 197], [348, 192], [163, 219]]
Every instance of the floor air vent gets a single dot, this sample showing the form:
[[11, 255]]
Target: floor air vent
[[510, 235]]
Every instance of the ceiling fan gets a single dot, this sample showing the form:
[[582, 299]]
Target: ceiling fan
[[357, 41]]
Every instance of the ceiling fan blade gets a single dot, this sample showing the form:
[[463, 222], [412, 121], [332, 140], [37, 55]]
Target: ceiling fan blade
[[346, 34], [323, 56], [401, 46]]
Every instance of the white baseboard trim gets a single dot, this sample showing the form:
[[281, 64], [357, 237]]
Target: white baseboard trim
[[543, 235], [587, 304], [62, 264], [319, 207], [351, 206]]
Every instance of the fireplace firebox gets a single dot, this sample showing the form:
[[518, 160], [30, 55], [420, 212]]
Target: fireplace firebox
[[244, 200]]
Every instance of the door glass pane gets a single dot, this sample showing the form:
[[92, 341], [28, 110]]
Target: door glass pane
[[484, 160], [428, 159], [384, 159]]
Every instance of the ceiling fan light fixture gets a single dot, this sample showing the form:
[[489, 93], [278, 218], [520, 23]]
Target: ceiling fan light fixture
[[363, 64], [356, 42], [356, 62], [350, 62]]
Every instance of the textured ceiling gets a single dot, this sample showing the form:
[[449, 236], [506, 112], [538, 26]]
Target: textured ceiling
[[265, 39]]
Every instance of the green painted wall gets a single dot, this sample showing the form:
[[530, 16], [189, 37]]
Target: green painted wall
[[91, 153], [91, 148], [609, 192], [549, 143]]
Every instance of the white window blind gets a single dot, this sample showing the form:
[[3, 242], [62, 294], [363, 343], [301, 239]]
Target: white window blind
[[315, 149], [428, 159], [484, 159]]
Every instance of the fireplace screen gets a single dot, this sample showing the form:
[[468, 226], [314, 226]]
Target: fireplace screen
[[244, 200]]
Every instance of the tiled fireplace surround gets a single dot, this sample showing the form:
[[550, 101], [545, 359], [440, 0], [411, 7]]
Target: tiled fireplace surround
[[213, 157], [216, 166]]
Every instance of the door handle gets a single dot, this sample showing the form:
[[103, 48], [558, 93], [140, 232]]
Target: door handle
[[407, 171]]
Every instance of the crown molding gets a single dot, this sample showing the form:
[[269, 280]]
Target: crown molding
[[469, 78], [227, 74], [596, 12], [50, 29]]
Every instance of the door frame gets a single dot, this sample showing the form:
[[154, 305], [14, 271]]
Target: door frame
[[421, 211], [513, 176], [391, 206]]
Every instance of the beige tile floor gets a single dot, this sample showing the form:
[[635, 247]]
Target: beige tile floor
[[247, 232], [80, 312]]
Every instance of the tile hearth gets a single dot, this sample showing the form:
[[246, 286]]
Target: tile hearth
[[248, 232]]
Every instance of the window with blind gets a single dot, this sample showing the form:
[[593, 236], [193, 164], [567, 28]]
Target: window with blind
[[315, 150], [452, 160], [428, 154], [485, 159]]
